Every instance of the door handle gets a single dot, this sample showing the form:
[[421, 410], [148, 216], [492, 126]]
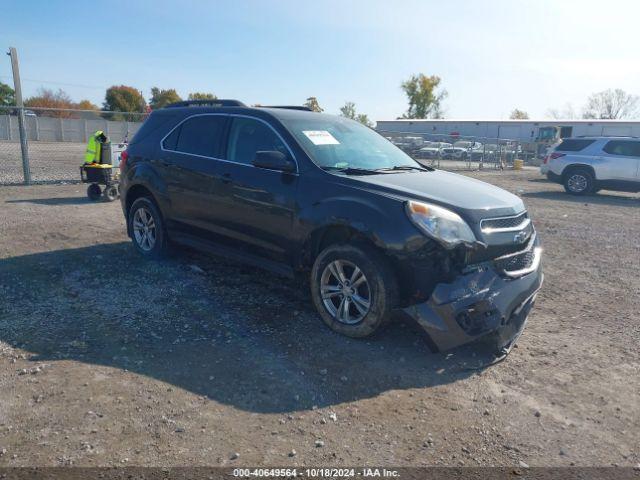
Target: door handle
[[226, 178]]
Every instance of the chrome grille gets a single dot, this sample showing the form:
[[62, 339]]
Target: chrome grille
[[520, 263], [515, 222], [516, 262]]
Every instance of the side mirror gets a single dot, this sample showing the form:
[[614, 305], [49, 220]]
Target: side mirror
[[274, 160]]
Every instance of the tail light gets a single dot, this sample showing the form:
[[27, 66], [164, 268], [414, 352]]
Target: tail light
[[553, 156], [123, 160]]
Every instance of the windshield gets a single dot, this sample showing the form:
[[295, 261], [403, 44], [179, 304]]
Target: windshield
[[340, 143]]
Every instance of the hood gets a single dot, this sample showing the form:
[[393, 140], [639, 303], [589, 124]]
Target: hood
[[470, 198]]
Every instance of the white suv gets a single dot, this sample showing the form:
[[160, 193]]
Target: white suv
[[585, 165]]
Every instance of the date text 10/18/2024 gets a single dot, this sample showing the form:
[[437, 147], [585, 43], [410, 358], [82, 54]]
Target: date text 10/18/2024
[[316, 472]]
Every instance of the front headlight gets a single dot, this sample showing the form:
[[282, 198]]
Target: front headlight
[[440, 224]]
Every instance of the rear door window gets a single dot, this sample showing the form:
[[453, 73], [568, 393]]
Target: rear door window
[[626, 148], [573, 145], [200, 135]]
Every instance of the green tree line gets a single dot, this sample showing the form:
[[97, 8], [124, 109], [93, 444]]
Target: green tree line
[[424, 93]]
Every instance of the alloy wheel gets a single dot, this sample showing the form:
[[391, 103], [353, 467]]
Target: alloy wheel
[[144, 229], [345, 292], [577, 183]]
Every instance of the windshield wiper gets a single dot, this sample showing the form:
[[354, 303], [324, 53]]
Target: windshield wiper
[[407, 167], [354, 170]]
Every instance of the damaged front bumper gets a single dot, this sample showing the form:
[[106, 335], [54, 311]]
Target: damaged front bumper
[[484, 300]]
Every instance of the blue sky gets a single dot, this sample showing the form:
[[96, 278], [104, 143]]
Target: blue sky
[[492, 55]]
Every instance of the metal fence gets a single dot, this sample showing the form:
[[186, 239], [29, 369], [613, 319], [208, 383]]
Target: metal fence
[[55, 140], [463, 153]]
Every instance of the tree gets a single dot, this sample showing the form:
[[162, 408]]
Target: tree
[[363, 118], [425, 101], [89, 110], [123, 98], [162, 98], [202, 96], [46, 99], [7, 95], [518, 115], [86, 105], [611, 104], [312, 103], [348, 110], [566, 113]]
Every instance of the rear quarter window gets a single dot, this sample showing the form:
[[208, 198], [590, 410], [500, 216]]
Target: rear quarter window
[[150, 125], [171, 141], [573, 145]]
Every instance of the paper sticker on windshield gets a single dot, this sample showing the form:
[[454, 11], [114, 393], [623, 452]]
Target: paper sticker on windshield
[[321, 137]]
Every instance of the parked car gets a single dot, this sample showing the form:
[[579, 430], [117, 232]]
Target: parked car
[[585, 165], [303, 193], [431, 149], [471, 150], [467, 144], [453, 153]]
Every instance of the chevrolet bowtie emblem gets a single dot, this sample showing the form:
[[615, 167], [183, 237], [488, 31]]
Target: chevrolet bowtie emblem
[[520, 237]]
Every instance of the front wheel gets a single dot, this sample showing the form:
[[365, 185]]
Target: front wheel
[[579, 182], [147, 228], [354, 289], [111, 193]]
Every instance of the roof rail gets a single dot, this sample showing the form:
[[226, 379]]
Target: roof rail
[[288, 107], [217, 102]]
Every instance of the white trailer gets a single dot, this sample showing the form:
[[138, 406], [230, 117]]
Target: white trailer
[[519, 130]]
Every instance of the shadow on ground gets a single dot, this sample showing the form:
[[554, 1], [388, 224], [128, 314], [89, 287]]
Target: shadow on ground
[[55, 201], [598, 199], [237, 335]]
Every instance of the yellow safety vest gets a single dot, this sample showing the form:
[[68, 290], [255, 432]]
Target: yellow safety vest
[[92, 155]]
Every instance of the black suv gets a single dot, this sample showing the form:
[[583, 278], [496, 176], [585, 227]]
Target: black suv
[[295, 191]]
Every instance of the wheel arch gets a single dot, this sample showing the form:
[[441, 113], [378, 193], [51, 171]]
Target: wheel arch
[[578, 166], [327, 235], [333, 234], [135, 192]]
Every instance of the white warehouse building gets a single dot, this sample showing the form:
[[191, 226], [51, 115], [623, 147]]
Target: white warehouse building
[[520, 130]]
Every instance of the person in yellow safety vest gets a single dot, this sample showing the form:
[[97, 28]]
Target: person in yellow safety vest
[[92, 155]]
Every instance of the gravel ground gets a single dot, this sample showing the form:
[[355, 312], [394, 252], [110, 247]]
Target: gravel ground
[[107, 359]]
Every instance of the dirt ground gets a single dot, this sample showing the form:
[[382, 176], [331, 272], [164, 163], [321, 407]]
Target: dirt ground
[[108, 359]]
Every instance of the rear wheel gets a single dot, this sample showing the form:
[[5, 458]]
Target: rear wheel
[[354, 289], [579, 181], [94, 191], [147, 228]]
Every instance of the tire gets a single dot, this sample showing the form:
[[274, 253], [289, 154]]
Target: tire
[[579, 181], [370, 302], [94, 192], [151, 242], [111, 193]]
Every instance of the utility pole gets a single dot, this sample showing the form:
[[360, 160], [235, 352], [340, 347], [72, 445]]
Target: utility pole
[[17, 86]]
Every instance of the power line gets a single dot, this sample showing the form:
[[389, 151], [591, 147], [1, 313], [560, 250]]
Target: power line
[[59, 83]]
